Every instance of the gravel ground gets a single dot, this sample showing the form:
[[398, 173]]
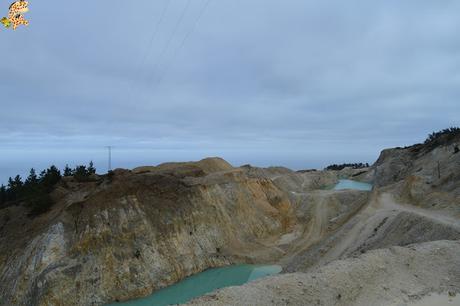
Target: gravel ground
[[392, 276]]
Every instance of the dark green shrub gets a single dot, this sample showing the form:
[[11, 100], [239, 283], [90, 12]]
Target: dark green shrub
[[81, 174], [39, 204], [343, 166], [91, 169], [68, 171], [34, 192], [442, 137]]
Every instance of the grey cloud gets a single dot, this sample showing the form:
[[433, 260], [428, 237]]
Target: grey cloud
[[296, 83]]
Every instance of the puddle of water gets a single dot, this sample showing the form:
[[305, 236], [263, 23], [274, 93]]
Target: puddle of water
[[203, 283], [349, 184]]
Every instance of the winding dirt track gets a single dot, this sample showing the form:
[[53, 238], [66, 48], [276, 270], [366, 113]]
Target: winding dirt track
[[321, 246], [386, 202], [312, 233]]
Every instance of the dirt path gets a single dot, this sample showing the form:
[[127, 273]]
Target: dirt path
[[381, 207], [313, 233], [387, 202], [372, 227]]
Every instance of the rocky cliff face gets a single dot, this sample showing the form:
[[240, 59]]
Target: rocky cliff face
[[127, 235], [124, 235], [397, 247], [423, 174]]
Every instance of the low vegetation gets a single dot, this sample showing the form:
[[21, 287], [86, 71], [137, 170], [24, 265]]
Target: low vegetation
[[442, 137], [343, 166], [35, 190]]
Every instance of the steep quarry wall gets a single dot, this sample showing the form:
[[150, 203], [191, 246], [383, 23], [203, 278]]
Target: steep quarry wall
[[423, 175], [138, 231]]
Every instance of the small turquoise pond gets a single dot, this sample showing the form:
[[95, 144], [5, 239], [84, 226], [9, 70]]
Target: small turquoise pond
[[349, 184], [203, 283]]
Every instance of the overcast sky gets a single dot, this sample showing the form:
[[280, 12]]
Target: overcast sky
[[296, 83]]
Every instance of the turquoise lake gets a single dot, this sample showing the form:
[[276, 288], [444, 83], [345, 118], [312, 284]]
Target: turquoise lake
[[349, 184], [203, 283]]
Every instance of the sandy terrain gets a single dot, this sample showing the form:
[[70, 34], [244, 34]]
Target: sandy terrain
[[393, 276]]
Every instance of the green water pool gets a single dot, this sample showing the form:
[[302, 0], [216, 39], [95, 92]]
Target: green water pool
[[349, 184], [203, 283]]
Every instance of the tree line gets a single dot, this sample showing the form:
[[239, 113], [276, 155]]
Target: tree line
[[443, 136], [343, 166], [35, 190]]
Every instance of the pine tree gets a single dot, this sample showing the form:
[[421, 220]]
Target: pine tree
[[42, 175], [18, 182], [32, 179], [81, 173], [10, 183], [14, 187], [91, 169], [68, 171], [3, 195], [50, 177]]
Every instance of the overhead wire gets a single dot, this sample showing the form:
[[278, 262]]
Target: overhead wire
[[171, 37], [149, 45], [154, 35], [170, 63]]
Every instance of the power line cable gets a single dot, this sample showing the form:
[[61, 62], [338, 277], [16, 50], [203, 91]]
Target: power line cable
[[149, 46], [169, 41], [184, 40], [154, 35]]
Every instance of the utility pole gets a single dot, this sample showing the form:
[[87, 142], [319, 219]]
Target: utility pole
[[109, 148]]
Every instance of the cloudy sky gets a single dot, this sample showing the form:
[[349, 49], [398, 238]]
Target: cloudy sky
[[297, 83]]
